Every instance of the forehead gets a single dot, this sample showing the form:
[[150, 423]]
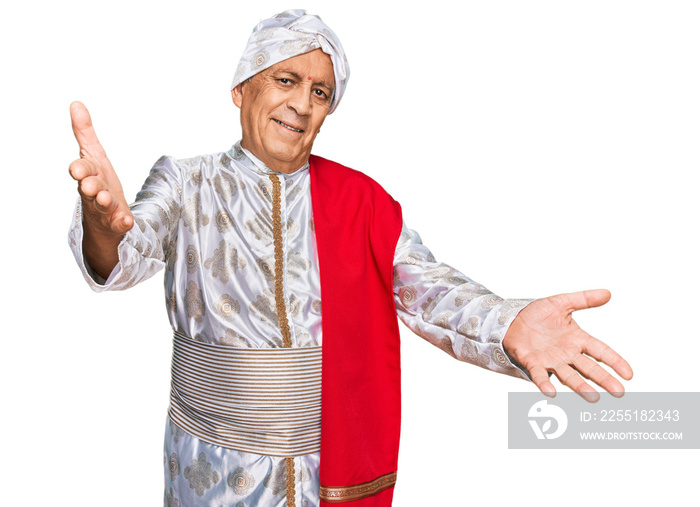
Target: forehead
[[315, 65]]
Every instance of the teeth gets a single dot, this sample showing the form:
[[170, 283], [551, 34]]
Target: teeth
[[287, 126]]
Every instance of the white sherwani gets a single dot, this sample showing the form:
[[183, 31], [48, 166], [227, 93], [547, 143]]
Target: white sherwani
[[209, 221]]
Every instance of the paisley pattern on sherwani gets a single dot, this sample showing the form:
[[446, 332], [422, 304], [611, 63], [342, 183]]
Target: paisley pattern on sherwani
[[209, 221]]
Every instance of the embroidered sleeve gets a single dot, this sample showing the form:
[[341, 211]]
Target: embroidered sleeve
[[451, 311], [149, 245]]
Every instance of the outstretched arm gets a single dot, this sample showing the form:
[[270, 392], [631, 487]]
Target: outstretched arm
[[545, 338], [451, 311], [106, 214]]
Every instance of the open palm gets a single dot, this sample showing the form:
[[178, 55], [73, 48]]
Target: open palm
[[106, 214], [545, 338]]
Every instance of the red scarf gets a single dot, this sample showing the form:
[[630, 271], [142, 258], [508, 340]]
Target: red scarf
[[357, 226]]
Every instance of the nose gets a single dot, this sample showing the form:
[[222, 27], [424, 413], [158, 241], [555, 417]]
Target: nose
[[300, 100]]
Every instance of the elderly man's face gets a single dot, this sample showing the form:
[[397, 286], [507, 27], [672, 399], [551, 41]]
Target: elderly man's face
[[283, 108]]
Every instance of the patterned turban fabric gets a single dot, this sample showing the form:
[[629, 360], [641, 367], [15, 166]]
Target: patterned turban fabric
[[288, 34]]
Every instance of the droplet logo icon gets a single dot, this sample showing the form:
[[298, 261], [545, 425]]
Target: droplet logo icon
[[544, 413]]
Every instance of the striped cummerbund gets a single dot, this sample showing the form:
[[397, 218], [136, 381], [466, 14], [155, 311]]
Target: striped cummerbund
[[263, 401]]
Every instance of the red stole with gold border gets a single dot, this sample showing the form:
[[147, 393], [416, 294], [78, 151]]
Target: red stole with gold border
[[357, 226]]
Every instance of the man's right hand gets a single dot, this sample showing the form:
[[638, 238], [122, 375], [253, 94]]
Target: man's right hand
[[106, 214]]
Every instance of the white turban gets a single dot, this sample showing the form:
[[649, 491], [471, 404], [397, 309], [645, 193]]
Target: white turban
[[288, 34]]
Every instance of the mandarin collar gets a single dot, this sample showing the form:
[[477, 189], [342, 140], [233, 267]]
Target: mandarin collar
[[249, 161]]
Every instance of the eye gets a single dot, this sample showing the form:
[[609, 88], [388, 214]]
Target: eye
[[320, 93]]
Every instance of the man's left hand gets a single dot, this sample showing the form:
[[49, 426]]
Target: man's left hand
[[545, 338]]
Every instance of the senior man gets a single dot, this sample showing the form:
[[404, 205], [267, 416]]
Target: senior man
[[255, 241]]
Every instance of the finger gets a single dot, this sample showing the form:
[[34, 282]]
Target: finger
[[570, 378], [120, 220], [603, 353], [540, 377], [91, 186], [105, 201], [106, 204], [93, 190], [587, 299], [84, 131], [82, 168], [117, 219], [593, 371], [123, 222]]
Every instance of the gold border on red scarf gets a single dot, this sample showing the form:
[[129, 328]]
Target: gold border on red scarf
[[357, 491]]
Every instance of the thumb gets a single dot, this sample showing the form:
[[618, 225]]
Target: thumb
[[588, 299], [84, 131]]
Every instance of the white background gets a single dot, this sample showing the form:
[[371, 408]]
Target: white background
[[538, 146]]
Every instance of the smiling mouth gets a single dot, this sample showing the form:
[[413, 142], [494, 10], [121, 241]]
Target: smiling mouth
[[288, 127]]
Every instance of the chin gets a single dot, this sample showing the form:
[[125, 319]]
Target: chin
[[284, 153], [283, 156]]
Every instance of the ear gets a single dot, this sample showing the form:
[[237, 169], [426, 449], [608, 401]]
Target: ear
[[237, 94]]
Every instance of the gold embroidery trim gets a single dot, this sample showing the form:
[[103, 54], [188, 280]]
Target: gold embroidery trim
[[291, 489], [279, 261], [358, 491], [281, 308]]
